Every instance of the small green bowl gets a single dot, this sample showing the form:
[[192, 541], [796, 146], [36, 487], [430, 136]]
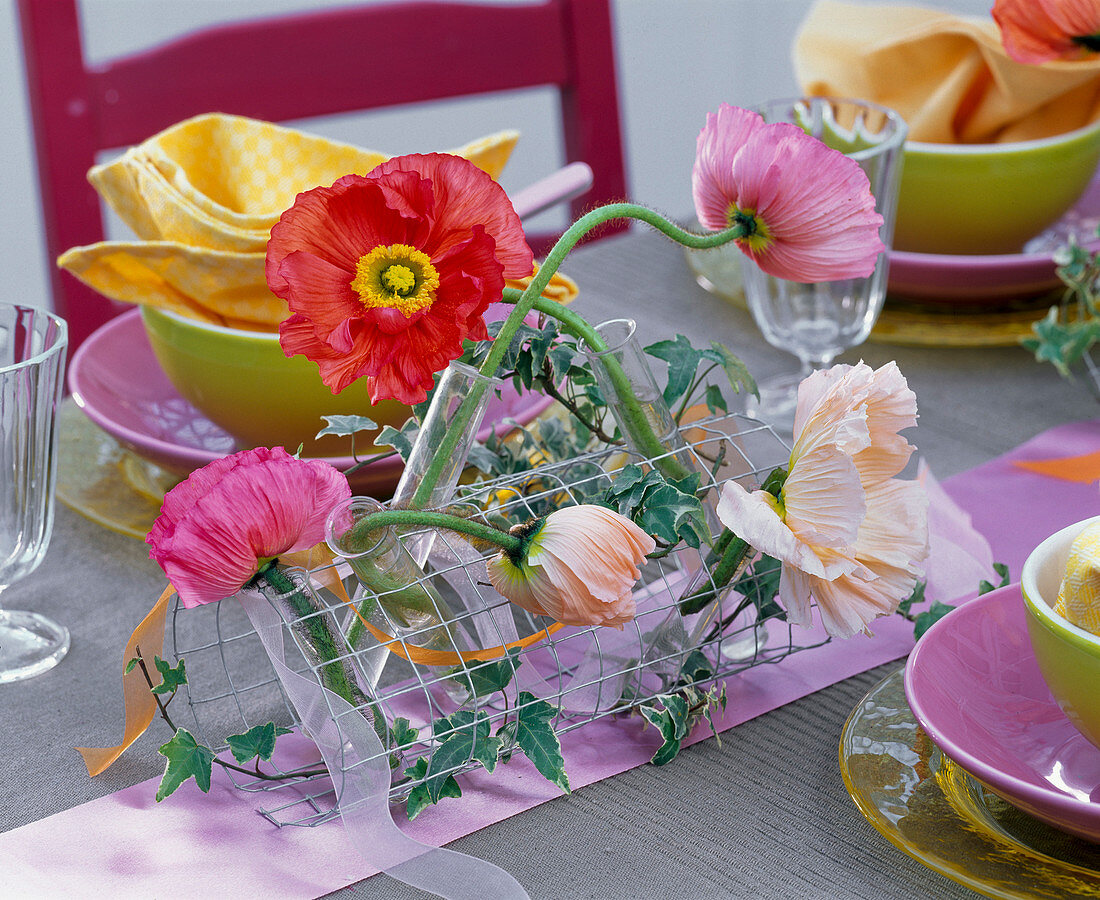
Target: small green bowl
[[242, 381], [1068, 656], [990, 198]]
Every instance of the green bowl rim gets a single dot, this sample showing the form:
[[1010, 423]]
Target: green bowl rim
[[1033, 598], [1002, 148], [199, 325]]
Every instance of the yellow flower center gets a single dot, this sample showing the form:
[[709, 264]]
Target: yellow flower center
[[758, 236], [396, 276]]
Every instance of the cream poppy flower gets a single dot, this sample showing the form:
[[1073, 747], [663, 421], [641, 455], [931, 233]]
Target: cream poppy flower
[[579, 566], [850, 535]]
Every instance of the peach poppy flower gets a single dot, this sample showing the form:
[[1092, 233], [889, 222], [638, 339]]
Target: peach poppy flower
[[387, 274], [850, 534], [579, 566], [1038, 31], [809, 209], [216, 529]]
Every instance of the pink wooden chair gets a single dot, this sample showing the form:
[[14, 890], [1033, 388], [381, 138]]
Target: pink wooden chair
[[300, 66]]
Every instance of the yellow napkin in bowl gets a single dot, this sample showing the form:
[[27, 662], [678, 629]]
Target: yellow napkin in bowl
[[1079, 595], [948, 76], [202, 197]]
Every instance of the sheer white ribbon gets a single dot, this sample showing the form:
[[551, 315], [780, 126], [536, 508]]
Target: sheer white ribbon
[[360, 772]]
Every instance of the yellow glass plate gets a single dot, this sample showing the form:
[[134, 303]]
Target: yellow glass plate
[[933, 810], [101, 480]]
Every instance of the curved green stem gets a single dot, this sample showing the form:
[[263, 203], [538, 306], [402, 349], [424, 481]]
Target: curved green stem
[[732, 558], [415, 517], [531, 295], [641, 432]]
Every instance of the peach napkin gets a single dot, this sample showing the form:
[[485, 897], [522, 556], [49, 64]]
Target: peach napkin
[[948, 76], [202, 196], [1079, 595]]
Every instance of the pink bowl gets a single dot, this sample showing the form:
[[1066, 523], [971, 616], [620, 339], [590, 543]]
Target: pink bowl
[[975, 688], [116, 380]]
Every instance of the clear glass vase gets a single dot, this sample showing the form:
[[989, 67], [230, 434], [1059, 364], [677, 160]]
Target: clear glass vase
[[457, 382], [320, 640], [395, 596], [629, 387]]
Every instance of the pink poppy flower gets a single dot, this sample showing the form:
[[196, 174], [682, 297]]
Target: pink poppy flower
[[1038, 31], [579, 568], [809, 209], [387, 274], [216, 529], [849, 533]]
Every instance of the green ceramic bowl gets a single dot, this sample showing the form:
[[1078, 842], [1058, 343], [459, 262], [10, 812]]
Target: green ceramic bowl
[[1068, 656], [990, 198], [241, 381]]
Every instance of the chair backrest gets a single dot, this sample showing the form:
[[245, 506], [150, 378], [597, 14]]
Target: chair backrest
[[296, 67]]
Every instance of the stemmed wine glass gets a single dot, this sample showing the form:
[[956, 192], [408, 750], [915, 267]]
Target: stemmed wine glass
[[32, 361], [818, 322]]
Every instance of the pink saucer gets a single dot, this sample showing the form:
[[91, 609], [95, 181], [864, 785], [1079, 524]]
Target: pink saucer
[[940, 278], [975, 688], [116, 380]]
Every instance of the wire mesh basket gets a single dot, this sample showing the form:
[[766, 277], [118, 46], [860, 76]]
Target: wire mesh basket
[[584, 673]]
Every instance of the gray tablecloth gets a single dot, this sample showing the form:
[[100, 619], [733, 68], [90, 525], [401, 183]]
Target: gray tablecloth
[[764, 815]]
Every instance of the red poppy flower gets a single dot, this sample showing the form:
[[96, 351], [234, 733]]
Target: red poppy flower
[[387, 274], [1038, 31]]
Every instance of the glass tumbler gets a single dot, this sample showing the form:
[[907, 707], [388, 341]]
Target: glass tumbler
[[33, 343], [818, 322]]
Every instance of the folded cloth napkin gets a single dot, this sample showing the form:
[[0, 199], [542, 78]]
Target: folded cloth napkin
[[948, 76], [1079, 595], [202, 197]]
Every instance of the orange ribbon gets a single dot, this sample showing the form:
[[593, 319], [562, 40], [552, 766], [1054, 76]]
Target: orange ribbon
[[139, 703], [147, 641], [1084, 469]]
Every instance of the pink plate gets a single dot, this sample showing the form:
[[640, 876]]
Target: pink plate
[[975, 688], [939, 278], [116, 380]]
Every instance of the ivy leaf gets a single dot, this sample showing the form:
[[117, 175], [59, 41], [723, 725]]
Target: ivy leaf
[[913, 599], [668, 510], [258, 741], [760, 584], [131, 664], [490, 677], [683, 361], [187, 758], [715, 400], [536, 738], [662, 720], [469, 739], [736, 371], [401, 441], [984, 587], [929, 618], [171, 678], [1061, 344], [402, 733], [696, 667], [419, 797], [346, 425]]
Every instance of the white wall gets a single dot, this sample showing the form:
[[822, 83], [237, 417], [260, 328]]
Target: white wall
[[677, 60]]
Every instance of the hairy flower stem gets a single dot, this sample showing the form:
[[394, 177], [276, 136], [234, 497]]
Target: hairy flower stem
[[530, 297], [727, 564], [313, 628], [405, 598], [413, 518]]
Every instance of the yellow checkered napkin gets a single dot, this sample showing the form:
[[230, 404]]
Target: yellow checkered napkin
[[1079, 595], [202, 197]]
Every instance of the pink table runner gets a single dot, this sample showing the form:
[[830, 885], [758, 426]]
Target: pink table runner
[[125, 845]]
